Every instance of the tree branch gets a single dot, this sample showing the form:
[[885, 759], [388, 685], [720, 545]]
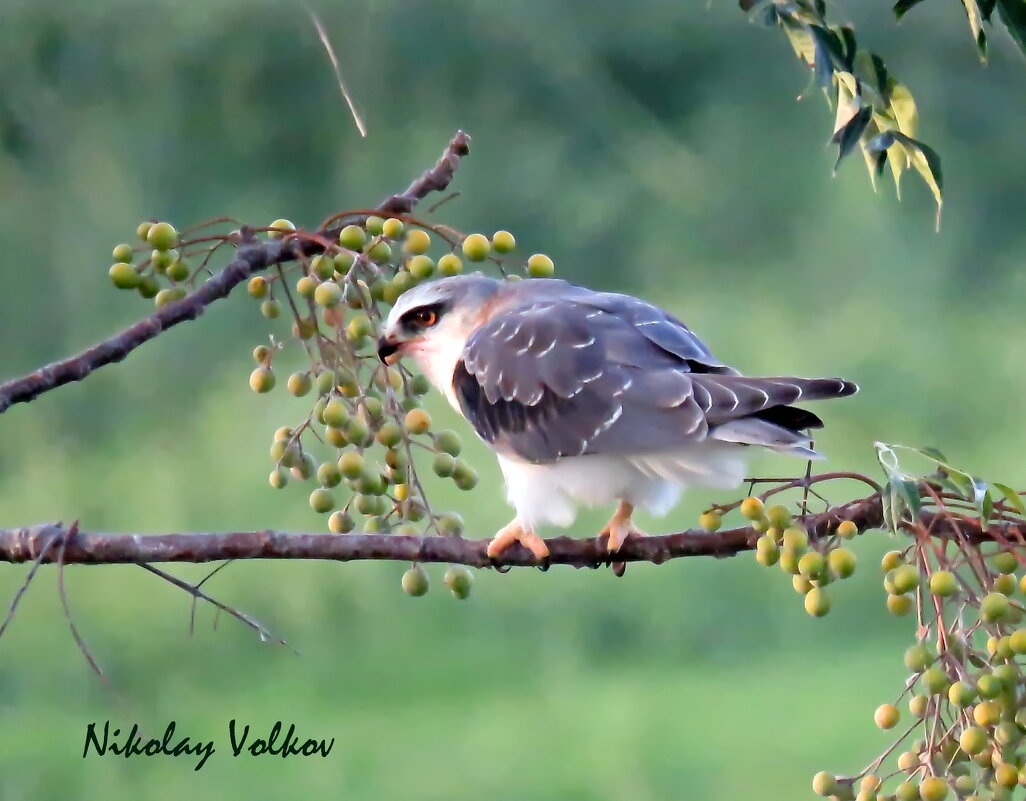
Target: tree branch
[[254, 255], [31, 544]]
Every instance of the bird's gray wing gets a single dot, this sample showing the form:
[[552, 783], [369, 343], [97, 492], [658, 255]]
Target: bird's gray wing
[[595, 373]]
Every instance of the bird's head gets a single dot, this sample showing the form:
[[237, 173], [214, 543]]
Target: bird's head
[[431, 322]]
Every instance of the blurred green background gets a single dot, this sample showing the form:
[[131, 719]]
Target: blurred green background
[[653, 147]]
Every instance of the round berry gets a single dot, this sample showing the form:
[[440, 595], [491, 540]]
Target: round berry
[[124, 276], [321, 500], [891, 560], [751, 508], [846, 529], [418, 421], [540, 266], [270, 309], [280, 228], [299, 384], [379, 252], [257, 286], [450, 264], [261, 379], [415, 581], [503, 242], [476, 247], [350, 464], [328, 474], [811, 565], [459, 580], [375, 225], [328, 294], [444, 465], [421, 267], [842, 562], [464, 477], [993, 607], [824, 784], [336, 413], [278, 478], [905, 578], [417, 242], [143, 230], [340, 522], [352, 237], [449, 524], [886, 716], [934, 788], [162, 236], [973, 740], [817, 602], [899, 605], [918, 657], [449, 442], [123, 252], [711, 521]]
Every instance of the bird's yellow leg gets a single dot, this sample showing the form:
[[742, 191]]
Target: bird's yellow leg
[[620, 527], [515, 531]]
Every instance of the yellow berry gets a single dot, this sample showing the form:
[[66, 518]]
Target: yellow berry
[[124, 276], [899, 605], [415, 582], [934, 788], [162, 236], [973, 740], [392, 228], [417, 242], [751, 508], [418, 421], [328, 294], [823, 784], [886, 716], [711, 520], [817, 602], [846, 529], [279, 228], [261, 379], [540, 266], [257, 286], [891, 560], [476, 247], [503, 242], [450, 264], [842, 562]]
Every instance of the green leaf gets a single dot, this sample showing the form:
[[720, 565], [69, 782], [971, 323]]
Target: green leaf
[[982, 500], [908, 491], [1013, 498], [1013, 14], [926, 162], [902, 7], [932, 453]]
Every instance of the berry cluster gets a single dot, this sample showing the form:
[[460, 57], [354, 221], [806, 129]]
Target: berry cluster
[[365, 425]]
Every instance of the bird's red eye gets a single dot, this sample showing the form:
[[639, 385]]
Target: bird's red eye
[[425, 317]]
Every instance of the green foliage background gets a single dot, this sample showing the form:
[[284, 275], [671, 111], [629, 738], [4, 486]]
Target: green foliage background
[[651, 147]]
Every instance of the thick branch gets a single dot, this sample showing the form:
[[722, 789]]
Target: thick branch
[[28, 544], [252, 257]]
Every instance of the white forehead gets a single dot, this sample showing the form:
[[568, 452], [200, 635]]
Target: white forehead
[[453, 291]]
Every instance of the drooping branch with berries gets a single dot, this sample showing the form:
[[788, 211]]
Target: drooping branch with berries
[[366, 444]]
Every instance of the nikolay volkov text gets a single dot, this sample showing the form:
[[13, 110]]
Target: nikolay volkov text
[[240, 741]]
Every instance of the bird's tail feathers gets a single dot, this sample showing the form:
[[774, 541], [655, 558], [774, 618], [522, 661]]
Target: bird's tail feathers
[[756, 431]]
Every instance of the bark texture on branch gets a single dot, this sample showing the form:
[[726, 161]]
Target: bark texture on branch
[[252, 257], [81, 547]]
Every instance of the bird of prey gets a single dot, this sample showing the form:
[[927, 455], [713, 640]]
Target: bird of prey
[[590, 398]]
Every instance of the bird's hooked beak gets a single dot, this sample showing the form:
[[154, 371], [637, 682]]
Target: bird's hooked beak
[[389, 351]]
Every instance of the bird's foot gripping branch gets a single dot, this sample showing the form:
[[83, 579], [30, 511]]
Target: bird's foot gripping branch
[[959, 541]]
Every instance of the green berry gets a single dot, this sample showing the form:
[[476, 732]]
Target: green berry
[[375, 225], [340, 522], [540, 266], [795, 537], [448, 442], [305, 467], [329, 475], [417, 242], [278, 478], [476, 247], [421, 267], [280, 228], [503, 242], [418, 421], [801, 585], [336, 413], [886, 716], [143, 230], [450, 264], [811, 565], [352, 237], [390, 434], [123, 252], [464, 477], [322, 266], [270, 309], [936, 680], [973, 740], [961, 694], [943, 583], [321, 500], [817, 602], [358, 431], [988, 686], [905, 578], [1005, 583], [768, 556], [415, 581], [1017, 641], [778, 516], [162, 236], [918, 657], [459, 580], [350, 464], [124, 276], [891, 560], [178, 270], [444, 465], [1005, 562], [919, 705], [907, 791], [328, 294], [449, 524], [899, 605], [379, 252], [993, 607], [842, 562], [148, 286], [299, 384], [711, 521]]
